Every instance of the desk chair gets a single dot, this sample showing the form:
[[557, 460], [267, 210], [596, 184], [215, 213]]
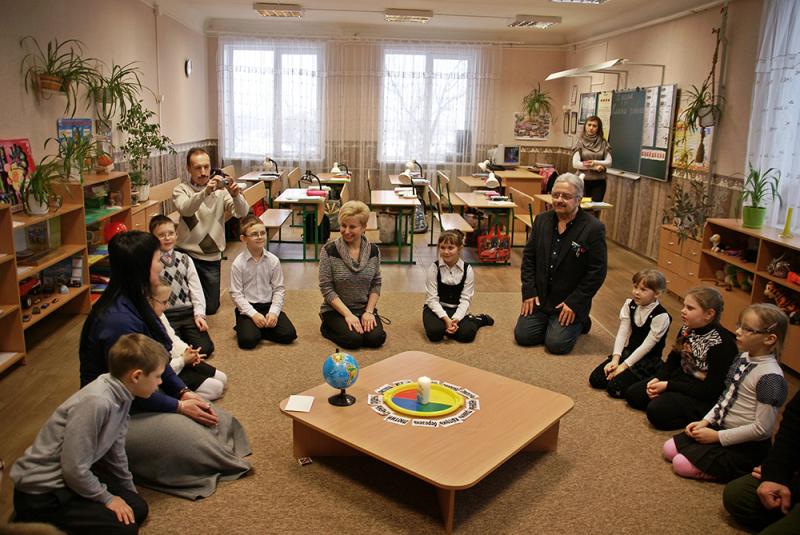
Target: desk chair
[[453, 201], [523, 212], [447, 221], [293, 181]]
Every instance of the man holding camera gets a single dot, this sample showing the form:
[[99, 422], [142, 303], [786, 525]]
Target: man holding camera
[[202, 203]]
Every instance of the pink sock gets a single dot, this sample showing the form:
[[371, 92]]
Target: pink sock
[[669, 449], [684, 468]]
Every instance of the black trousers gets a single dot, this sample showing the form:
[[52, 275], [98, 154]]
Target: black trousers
[[669, 410], [182, 321], [435, 327], [335, 329], [596, 189], [209, 273], [248, 335], [74, 514]]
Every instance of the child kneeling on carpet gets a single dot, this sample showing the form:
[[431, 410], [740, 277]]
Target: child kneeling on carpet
[[188, 362], [186, 309], [643, 326], [257, 290], [450, 285], [75, 476], [734, 437]]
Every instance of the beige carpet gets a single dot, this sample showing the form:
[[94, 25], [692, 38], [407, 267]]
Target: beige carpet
[[606, 477]]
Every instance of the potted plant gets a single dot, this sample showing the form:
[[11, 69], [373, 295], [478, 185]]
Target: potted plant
[[117, 91], [703, 109], [689, 208], [36, 188], [758, 184], [537, 102], [77, 154], [58, 67], [143, 138]]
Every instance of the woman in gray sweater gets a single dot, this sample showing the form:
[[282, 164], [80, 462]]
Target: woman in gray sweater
[[350, 282]]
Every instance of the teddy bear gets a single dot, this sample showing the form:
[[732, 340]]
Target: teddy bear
[[784, 302], [715, 239]]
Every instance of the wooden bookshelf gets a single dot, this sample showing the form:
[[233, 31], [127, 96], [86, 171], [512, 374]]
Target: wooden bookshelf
[[12, 339], [766, 245]]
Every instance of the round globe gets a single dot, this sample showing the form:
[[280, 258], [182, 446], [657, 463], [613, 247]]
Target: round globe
[[340, 370]]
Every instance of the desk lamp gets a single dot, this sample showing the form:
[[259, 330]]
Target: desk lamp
[[491, 181], [410, 166], [484, 166], [268, 160], [309, 177], [337, 169]]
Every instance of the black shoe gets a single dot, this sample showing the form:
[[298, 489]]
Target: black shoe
[[587, 326], [485, 319]]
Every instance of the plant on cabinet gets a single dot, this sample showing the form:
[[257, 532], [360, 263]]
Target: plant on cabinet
[[36, 188], [143, 137], [57, 67], [758, 186], [76, 154]]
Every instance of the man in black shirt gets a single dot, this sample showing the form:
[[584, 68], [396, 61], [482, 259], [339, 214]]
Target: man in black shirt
[[563, 265]]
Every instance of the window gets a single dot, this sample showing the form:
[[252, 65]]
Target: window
[[426, 105], [272, 101]]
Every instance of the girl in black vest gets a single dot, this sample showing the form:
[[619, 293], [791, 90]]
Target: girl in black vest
[[450, 285], [643, 326]]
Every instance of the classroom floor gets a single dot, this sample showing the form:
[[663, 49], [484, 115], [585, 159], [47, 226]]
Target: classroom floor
[[29, 393]]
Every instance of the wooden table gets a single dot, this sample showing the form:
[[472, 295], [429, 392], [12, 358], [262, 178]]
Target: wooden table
[[522, 179], [513, 417], [335, 181], [473, 182], [403, 226], [547, 199], [481, 202], [296, 197]]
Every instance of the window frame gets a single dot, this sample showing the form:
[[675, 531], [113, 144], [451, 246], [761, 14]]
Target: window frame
[[278, 50]]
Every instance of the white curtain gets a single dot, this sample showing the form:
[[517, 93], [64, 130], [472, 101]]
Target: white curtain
[[271, 101], [382, 103], [774, 138]]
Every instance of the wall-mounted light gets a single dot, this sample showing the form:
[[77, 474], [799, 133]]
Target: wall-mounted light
[[417, 16], [279, 10]]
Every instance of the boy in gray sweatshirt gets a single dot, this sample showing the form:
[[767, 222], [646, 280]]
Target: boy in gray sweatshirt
[[75, 475]]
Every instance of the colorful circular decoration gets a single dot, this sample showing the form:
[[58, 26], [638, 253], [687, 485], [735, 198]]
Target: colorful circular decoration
[[403, 399]]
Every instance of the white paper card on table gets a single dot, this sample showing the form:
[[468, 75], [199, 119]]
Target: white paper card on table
[[299, 403]]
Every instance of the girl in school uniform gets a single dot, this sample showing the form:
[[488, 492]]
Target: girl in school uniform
[[686, 386], [643, 326], [450, 285], [734, 436]]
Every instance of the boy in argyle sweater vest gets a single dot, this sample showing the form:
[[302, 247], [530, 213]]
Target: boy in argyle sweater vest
[[186, 309]]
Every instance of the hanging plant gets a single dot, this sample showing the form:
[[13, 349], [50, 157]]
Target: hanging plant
[[536, 103], [704, 106], [118, 91]]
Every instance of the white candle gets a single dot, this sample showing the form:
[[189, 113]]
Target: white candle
[[423, 390]]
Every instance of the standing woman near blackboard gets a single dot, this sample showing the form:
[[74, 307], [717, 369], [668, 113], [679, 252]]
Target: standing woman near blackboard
[[592, 156]]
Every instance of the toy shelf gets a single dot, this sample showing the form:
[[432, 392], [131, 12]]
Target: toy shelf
[[769, 246], [23, 220], [61, 300], [53, 257], [12, 339]]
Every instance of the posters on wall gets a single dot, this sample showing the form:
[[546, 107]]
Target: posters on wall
[[16, 162], [691, 147], [532, 128], [604, 110], [588, 106], [72, 127]]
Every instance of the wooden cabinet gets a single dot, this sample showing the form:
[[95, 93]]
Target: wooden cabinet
[[680, 262], [763, 245], [142, 213], [71, 219]]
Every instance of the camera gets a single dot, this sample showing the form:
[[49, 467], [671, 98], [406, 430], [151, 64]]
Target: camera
[[224, 179]]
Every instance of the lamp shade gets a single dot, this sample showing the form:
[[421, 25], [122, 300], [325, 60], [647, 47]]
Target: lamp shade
[[484, 166], [335, 168], [491, 181]]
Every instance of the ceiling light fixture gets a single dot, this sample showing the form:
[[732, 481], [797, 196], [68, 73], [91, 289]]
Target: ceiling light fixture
[[534, 21], [418, 16], [596, 2], [279, 10]]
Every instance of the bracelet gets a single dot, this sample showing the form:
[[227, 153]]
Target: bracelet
[[183, 391], [368, 312]]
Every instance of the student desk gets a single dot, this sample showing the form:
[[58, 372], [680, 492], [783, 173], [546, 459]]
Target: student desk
[[270, 181], [513, 417], [335, 180], [521, 179], [547, 199], [473, 182], [296, 197], [494, 209], [403, 225]]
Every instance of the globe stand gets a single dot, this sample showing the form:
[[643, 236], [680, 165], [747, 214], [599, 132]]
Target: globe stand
[[342, 399]]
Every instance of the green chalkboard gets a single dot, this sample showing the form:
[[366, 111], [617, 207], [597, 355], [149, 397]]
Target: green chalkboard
[[640, 130]]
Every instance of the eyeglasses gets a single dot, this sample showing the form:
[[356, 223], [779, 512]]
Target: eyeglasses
[[165, 235], [565, 196], [750, 330], [165, 302], [257, 234]]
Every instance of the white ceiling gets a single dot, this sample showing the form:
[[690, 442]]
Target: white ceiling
[[473, 20]]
